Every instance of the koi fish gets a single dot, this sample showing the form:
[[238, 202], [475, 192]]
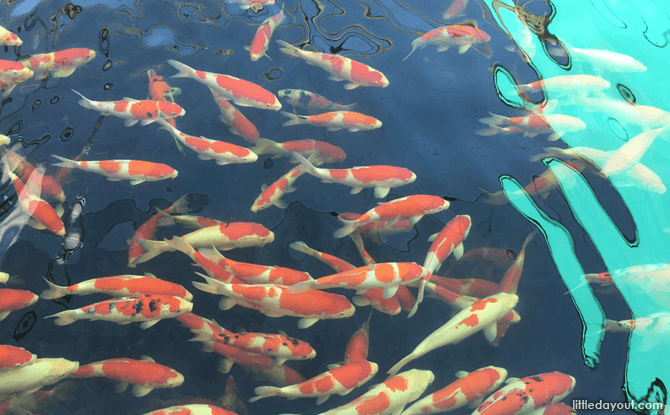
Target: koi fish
[[528, 394], [28, 379], [211, 267], [190, 221], [556, 125], [36, 402], [481, 315], [60, 64], [579, 85], [390, 396], [254, 5], [8, 38], [133, 111], [261, 40], [13, 358], [200, 324], [412, 208], [11, 74], [312, 102], [455, 35], [470, 389], [609, 61], [277, 301], [145, 375], [318, 152], [149, 309], [49, 187], [147, 230], [358, 345], [271, 195], [338, 380], [378, 230], [230, 400], [224, 237], [160, 90], [34, 206], [339, 67], [455, 9], [119, 286], [632, 151], [381, 178], [137, 171], [337, 264], [231, 116], [241, 92], [193, 409], [220, 151], [234, 355], [335, 121]]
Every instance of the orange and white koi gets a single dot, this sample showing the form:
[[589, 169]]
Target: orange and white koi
[[148, 309], [60, 64], [12, 300], [340, 68], [34, 377], [609, 61], [412, 208], [632, 151], [271, 195], [470, 389], [338, 380], [278, 301], [378, 230], [211, 267], [481, 315], [12, 358], [145, 375], [119, 286], [137, 171], [241, 92], [335, 121], [390, 396], [528, 394], [231, 116], [133, 111], [567, 84], [220, 151], [455, 35], [8, 38], [190, 221], [554, 124], [33, 205], [230, 400], [261, 40], [455, 9], [192, 409], [314, 103], [147, 230], [318, 152], [359, 344], [475, 287], [50, 186], [381, 178], [160, 90], [254, 5], [11, 74]]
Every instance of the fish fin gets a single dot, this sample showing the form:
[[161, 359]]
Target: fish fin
[[226, 303], [462, 373], [381, 192], [395, 369], [264, 392], [432, 237], [136, 182], [511, 380], [148, 324], [348, 228], [121, 387], [280, 204], [67, 163], [360, 301], [300, 246], [389, 292], [335, 78], [130, 122], [351, 86], [139, 391], [415, 44], [278, 361], [54, 291], [201, 336], [184, 70], [307, 165], [154, 248], [210, 287], [294, 119], [290, 189], [147, 122], [322, 399], [442, 48], [354, 129], [491, 332], [333, 128], [463, 48], [264, 187], [4, 314], [333, 366], [225, 365], [306, 322], [63, 72], [553, 137], [263, 146], [355, 190], [35, 224], [247, 48], [62, 319], [146, 358], [414, 219], [8, 90], [458, 252], [474, 404]]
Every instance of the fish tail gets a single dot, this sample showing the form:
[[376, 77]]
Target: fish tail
[[213, 286], [492, 130], [306, 165], [349, 107], [185, 71], [201, 336], [349, 227], [53, 292], [300, 246], [294, 119], [64, 318], [85, 102], [415, 45], [289, 49], [67, 163], [179, 244], [395, 369], [264, 392], [493, 119], [180, 206], [154, 248], [300, 287], [262, 146]]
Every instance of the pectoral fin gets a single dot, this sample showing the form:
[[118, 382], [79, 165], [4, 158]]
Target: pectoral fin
[[491, 332]]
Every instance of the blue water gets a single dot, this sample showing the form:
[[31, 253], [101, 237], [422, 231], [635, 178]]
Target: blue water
[[429, 113]]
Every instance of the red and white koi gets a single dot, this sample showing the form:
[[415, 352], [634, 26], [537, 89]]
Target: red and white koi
[[340, 68], [60, 64], [133, 111], [554, 124], [338, 380], [148, 309], [50, 186], [160, 90], [261, 40], [271, 195], [335, 121], [381, 178], [254, 5], [359, 344], [192, 409], [34, 377], [412, 208], [390, 396], [145, 375], [314, 103], [609, 61], [190, 221], [220, 151], [8, 38], [13, 300], [12, 358], [230, 400], [527, 395], [278, 301], [470, 389], [241, 92], [11, 74], [455, 35], [318, 152], [378, 230], [119, 286], [33, 205], [481, 315], [137, 171], [231, 116]]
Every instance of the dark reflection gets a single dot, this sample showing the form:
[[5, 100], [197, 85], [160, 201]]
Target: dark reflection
[[36, 105], [25, 325], [108, 86], [273, 74], [626, 93], [67, 134], [54, 100]]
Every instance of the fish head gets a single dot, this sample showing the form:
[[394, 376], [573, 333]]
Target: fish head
[[383, 82], [176, 379], [270, 237], [275, 106], [10, 39], [185, 306], [251, 157], [171, 110], [509, 301], [419, 381], [56, 369]]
